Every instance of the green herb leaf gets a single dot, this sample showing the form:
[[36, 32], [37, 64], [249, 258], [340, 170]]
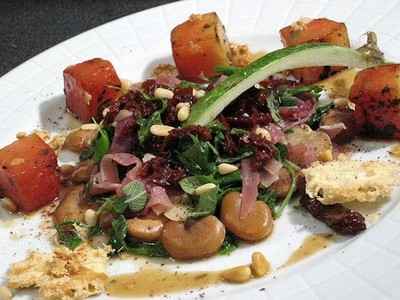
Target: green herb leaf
[[189, 84], [68, 235], [119, 205], [119, 229], [145, 124], [319, 113], [226, 70], [155, 249], [312, 89], [230, 244], [269, 197], [136, 195], [113, 204], [189, 184], [273, 104], [102, 144], [206, 204], [282, 151], [94, 230], [289, 101], [244, 152], [278, 210], [198, 157], [229, 180]]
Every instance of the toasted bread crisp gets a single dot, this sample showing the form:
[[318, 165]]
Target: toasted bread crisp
[[63, 274], [342, 181]]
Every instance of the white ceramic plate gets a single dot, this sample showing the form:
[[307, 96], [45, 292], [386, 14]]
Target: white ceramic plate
[[365, 267]]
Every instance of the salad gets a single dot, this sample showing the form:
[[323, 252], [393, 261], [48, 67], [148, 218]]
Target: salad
[[206, 154]]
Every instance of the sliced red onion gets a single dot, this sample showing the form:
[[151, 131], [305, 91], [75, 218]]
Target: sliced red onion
[[302, 112], [159, 201], [250, 181], [167, 80], [107, 179], [334, 129], [122, 114], [123, 139], [277, 134], [271, 173]]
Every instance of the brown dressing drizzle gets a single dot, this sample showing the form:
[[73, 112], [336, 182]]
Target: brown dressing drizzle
[[310, 246], [155, 281]]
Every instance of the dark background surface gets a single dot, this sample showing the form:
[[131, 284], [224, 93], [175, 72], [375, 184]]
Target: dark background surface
[[27, 27]]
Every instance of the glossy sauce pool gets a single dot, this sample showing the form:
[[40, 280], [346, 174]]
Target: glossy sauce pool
[[310, 246], [155, 281]]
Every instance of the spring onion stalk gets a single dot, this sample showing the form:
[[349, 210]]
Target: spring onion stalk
[[292, 172], [307, 55]]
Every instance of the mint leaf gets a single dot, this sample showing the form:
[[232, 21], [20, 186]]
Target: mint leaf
[[151, 249], [230, 244], [282, 151], [119, 230], [68, 235], [198, 157], [189, 184], [319, 113], [102, 144], [145, 124], [206, 204], [136, 195]]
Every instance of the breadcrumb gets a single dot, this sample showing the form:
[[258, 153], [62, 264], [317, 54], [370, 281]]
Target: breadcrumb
[[344, 181], [63, 274]]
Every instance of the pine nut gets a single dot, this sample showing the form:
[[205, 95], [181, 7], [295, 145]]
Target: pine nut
[[237, 275], [224, 168], [163, 93], [204, 188], [182, 104], [147, 157], [259, 264], [90, 126], [125, 86], [198, 93], [160, 130], [90, 217], [5, 293], [183, 113], [264, 133], [122, 114], [21, 134], [9, 205], [105, 111], [326, 155]]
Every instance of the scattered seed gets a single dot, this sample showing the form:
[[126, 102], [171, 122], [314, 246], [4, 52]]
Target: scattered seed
[[163, 93], [204, 188], [183, 113], [225, 168], [161, 130], [90, 126], [264, 133], [90, 217], [259, 264], [237, 275]]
